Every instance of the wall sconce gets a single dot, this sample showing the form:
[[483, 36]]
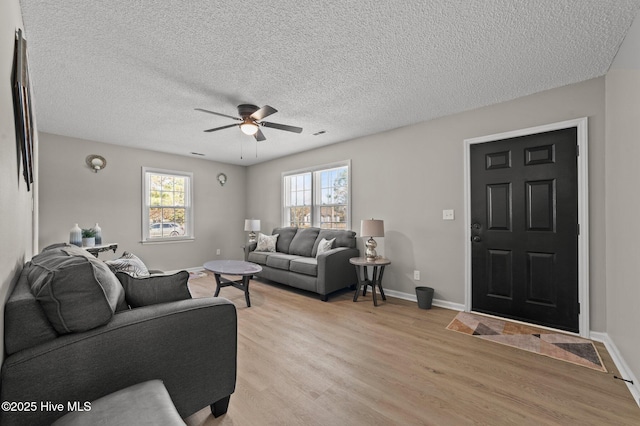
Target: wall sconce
[[222, 179], [96, 162]]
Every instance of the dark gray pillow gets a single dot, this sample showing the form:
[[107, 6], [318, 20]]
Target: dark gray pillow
[[154, 289], [77, 291], [302, 243]]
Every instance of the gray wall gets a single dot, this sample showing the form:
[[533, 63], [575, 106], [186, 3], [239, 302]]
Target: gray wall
[[409, 175], [15, 202], [623, 199], [71, 193]]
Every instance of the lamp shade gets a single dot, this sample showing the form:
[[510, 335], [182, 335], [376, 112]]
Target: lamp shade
[[372, 228], [252, 224]]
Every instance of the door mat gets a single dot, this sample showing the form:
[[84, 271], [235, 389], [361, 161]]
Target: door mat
[[575, 350]]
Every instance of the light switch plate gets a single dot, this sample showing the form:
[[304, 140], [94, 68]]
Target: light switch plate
[[448, 215]]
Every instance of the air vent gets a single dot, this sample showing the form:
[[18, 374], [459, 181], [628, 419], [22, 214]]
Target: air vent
[[197, 153], [321, 132]]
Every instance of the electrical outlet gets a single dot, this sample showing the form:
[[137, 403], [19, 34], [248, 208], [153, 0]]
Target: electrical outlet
[[448, 215], [218, 252], [416, 275]]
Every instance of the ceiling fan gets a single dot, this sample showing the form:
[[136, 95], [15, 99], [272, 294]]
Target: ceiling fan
[[251, 119]]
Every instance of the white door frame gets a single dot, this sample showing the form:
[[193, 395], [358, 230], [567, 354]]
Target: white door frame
[[583, 209]]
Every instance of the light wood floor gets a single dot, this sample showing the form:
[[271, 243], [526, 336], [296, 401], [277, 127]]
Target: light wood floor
[[305, 362]]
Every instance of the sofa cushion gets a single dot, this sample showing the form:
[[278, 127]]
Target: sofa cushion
[[280, 260], [304, 265], [77, 291], [259, 257], [143, 403], [266, 242], [303, 242], [25, 323], [144, 291], [129, 263], [343, 238], [284, 240]]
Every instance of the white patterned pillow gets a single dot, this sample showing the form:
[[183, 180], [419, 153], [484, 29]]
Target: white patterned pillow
[[129, 263], [266, 242], [324, 246]]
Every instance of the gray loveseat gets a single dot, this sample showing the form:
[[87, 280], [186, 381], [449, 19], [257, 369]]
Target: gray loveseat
[[294, 262], [70, 338]]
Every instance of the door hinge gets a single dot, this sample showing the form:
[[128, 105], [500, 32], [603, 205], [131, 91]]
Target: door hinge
[[578, 308], [578, 229], [577, 150]]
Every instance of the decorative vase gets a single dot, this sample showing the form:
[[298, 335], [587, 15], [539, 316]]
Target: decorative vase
[[98, 234], [75, 236], [89, 242]]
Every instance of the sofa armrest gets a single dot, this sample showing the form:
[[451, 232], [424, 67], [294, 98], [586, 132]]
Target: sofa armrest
[[248, 248], [190, 345], [335, 271]]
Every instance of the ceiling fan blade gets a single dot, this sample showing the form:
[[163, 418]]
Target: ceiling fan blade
[[217, 113], [282, 127], [259, 136], [220, 128], [263, 112]]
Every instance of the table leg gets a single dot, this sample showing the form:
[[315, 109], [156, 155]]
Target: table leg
[[218, 286], [379, 282], [245, 284], [355, 296], [373, 286]]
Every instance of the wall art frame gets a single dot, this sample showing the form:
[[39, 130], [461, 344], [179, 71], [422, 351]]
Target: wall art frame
[[23, 111]]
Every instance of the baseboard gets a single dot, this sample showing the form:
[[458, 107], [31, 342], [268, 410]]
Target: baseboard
[[436, 302], [620, 363], [194, 269]]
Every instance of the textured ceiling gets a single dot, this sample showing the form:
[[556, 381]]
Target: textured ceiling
[[131, 72]]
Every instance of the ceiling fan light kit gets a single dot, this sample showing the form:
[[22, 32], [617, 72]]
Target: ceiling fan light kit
[[249, 128], [251, 117]]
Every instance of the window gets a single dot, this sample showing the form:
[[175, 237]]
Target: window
[[317, 197], [167, 207]]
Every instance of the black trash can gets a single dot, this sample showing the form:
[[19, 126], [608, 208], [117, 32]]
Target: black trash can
[[425, 297]]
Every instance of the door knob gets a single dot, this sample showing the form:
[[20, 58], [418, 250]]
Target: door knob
[[476, 239], [475, 226]]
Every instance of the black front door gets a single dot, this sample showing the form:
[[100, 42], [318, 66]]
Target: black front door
[[524, 228]]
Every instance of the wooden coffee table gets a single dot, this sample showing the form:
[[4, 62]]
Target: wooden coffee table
[[233, 267]]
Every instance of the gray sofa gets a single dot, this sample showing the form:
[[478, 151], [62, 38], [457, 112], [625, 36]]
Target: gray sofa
[[71, 337], [294, 262]]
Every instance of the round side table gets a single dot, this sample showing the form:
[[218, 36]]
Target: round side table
[[362, 265]]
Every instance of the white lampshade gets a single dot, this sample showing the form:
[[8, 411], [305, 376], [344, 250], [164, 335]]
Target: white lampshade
[[252, 224], [372, 228]]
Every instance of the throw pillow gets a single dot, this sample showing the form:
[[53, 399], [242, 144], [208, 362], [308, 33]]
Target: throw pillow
[[76, 291], [266, 242], [324, 246], [129, 263], [154, 289]]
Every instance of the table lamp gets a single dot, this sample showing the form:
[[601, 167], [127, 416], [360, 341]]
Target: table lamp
[[371, 228], [252, 225]]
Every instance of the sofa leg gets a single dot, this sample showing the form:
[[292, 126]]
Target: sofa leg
[[219, 407], [324, 297]]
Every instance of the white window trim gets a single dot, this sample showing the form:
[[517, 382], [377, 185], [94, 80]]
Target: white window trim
[[189, 229], [315, 221]]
